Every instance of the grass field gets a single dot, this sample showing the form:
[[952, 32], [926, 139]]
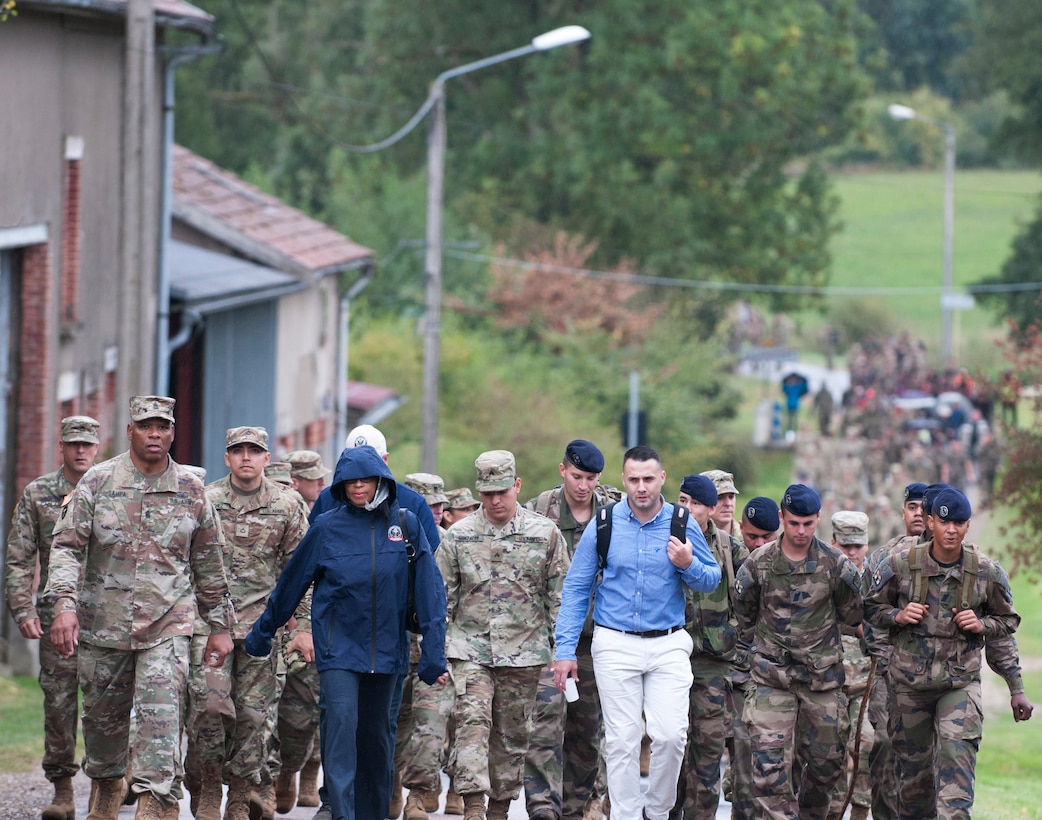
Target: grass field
[[892, 237]]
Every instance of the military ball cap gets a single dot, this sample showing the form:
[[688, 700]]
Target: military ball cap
[[143, 408], [585, 455], [234, 436], [850, 527], [428, 485], [306, 464], [462, 499], [80, 428], [762, 513], [496, 471], [723, 480], [799, 499], [279, 471], [915, 491], [701, 488], [951, 504]]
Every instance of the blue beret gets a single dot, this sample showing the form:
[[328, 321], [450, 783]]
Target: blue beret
[[584, 455], [930, 493], [951, 505], [762, 513], [799, 499], [915, 491], [701, 488]]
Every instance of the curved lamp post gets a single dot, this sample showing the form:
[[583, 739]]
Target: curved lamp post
[[567, 35], [903, 112]]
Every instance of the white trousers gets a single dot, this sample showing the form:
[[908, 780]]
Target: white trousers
[[650, 678]]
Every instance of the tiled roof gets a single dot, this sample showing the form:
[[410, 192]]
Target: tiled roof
[[255, 224]]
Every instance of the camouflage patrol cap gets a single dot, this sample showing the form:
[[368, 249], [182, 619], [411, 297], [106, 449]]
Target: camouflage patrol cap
[[724, 481], [462, 499], [143, 408], [279, 471], [496, 471], [246, 435], [306, 464], [80, 428], [850, 527], [430, 486]]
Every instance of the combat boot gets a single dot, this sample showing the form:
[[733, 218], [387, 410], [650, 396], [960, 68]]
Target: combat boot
[[497, 809], [129, 796], [309, 784], [106, 796], [149, 808], [285, 792], [430, 801], [267, 801], [209, 792], [63, 806], [859, 813], [453, 802], [238, 805], [414, 808], [474, 806], [396, 797]]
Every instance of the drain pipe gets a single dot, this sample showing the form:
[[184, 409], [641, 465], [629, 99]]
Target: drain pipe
[[164, 345]]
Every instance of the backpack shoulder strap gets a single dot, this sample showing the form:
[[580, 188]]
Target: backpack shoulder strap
[[603, 516], [970, 567], [915, 567], [403, 522]]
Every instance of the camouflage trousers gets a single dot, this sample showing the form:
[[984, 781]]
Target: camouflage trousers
[[740, 754], [133, 703], [862, 795], [881, 757], [422, 729], [935, 736], [229, 710], [59, 681], [298, 719], [493, 709], [561, 765], [709, 723], [799, 749]]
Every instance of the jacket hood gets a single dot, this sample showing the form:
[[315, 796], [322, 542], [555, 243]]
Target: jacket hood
[[360, 462]]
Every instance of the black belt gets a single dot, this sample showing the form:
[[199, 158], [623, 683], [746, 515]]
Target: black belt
[[651, 633]]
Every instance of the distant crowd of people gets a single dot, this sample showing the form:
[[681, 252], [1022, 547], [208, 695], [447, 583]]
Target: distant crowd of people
[[372, 634]]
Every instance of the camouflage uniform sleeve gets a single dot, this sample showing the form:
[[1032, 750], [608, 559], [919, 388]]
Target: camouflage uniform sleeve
[[999, 616], [747, 600], [209, 577], [1004, 659], [881, 601], [557, 563], [448, 564], [72, 533], [847, 597], [20, 560]]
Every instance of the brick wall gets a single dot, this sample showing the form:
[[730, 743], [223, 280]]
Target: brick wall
[[35, 436]]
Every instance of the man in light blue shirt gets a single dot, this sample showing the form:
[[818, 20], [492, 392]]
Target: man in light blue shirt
[[641, 651]]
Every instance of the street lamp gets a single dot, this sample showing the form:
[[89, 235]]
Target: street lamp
[[903, 112], [564, 36]]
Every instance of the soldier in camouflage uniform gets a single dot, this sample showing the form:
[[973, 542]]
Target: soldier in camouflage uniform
[[714, 632], [299, 747], [759, 526], [563, 752], [424, 713], [503, 568], [850, 536], [143, 538], [941, 602], [262, 522], [461, 504], [791, 598], [29, 540]]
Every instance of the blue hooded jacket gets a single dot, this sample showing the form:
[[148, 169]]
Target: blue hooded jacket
[[356, 559]]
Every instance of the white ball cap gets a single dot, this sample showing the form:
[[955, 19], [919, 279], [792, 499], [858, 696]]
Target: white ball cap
[[365, 434]]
